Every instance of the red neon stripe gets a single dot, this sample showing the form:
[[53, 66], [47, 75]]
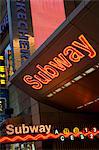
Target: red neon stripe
[[29, 137]]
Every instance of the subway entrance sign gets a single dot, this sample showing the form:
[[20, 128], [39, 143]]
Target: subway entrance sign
[[63, 72]]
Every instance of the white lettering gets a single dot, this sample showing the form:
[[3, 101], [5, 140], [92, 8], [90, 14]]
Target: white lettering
[[25, 129], [10, 129], [48, 128], [34, 129], [42, 129]]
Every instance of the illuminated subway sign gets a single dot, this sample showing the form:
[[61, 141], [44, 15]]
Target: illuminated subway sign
[[22, 30], [43, 132], [60, 63], [25, 129]]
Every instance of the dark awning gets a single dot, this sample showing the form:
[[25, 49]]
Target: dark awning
[[74, 83]]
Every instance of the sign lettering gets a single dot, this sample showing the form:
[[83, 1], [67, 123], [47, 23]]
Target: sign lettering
[[22, 30], [24, 129], [60, 63]]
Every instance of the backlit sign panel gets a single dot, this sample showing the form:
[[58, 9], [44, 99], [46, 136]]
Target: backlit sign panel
[[45, 132], [21, 35], [58, 73], [2, 71]]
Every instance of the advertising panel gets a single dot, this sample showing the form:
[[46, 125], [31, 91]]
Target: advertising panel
[[21, 35], [58, 72]]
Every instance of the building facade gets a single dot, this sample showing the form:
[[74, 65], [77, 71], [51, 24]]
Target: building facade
[[24, 27]]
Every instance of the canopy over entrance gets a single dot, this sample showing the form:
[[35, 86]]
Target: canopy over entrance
[[63, 72]]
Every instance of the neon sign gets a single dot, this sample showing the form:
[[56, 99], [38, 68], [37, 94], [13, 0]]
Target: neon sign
[[65, 134], [62, 62], [25, 129]]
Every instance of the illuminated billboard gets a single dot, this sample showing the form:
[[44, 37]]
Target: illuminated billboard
[[21, 35], [64, 70]]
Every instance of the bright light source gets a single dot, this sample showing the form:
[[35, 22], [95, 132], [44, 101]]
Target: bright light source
[[96, 66], [78, 78], [96, 100], [90, 102], [1, 57], [63, 87], [67, 84], [80, 107], [84, 74], [50, 95], [58, 90], [90, 70], [54, 92]]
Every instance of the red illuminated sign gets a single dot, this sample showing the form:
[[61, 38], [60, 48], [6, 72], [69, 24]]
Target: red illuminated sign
[[61, 62], [66, 134]]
